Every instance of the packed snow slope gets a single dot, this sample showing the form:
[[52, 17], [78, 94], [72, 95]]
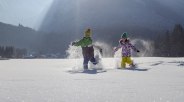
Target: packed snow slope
[[61, 80]]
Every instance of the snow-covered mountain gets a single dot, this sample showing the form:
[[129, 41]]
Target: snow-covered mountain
[[59, 80], [113, 16]]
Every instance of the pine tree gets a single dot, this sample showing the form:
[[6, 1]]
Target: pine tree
[[176, 41], [1, 51], [167, 44]]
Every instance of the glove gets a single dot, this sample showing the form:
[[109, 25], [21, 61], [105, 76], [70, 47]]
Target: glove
[[138, 51], [73, 43], [115, 48]]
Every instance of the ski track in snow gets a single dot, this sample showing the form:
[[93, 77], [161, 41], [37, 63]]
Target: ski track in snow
[[157, 79]]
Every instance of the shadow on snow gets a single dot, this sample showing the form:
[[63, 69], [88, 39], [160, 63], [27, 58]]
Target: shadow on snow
[[135, 69], [89, 71]]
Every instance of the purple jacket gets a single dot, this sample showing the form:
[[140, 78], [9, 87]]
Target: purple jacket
[[126, 48]]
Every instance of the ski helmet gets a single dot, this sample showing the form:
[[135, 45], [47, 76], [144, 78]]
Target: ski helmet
[[124, 35]]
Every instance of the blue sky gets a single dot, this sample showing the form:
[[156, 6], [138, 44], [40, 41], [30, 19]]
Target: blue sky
[[26, 12]]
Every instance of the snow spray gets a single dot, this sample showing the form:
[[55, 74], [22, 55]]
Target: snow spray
[[74, 52], [144, 46]]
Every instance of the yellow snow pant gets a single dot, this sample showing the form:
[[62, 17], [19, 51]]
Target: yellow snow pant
[[125, 60]]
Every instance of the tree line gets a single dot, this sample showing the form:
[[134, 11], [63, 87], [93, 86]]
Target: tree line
[[170, 44], [12, 52]]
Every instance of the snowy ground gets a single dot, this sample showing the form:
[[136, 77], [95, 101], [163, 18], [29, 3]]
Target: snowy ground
[[52, 80]]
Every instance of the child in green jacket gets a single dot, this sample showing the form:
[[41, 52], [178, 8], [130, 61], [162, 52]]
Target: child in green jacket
[[87, 49]]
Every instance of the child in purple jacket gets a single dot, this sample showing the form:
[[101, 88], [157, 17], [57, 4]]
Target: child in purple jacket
[[126, 50]]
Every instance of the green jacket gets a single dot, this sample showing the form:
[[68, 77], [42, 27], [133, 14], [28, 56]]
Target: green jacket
[[84, 42], [87, 51]]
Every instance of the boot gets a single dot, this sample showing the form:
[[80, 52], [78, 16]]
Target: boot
[[85, 67], [132, 65]]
